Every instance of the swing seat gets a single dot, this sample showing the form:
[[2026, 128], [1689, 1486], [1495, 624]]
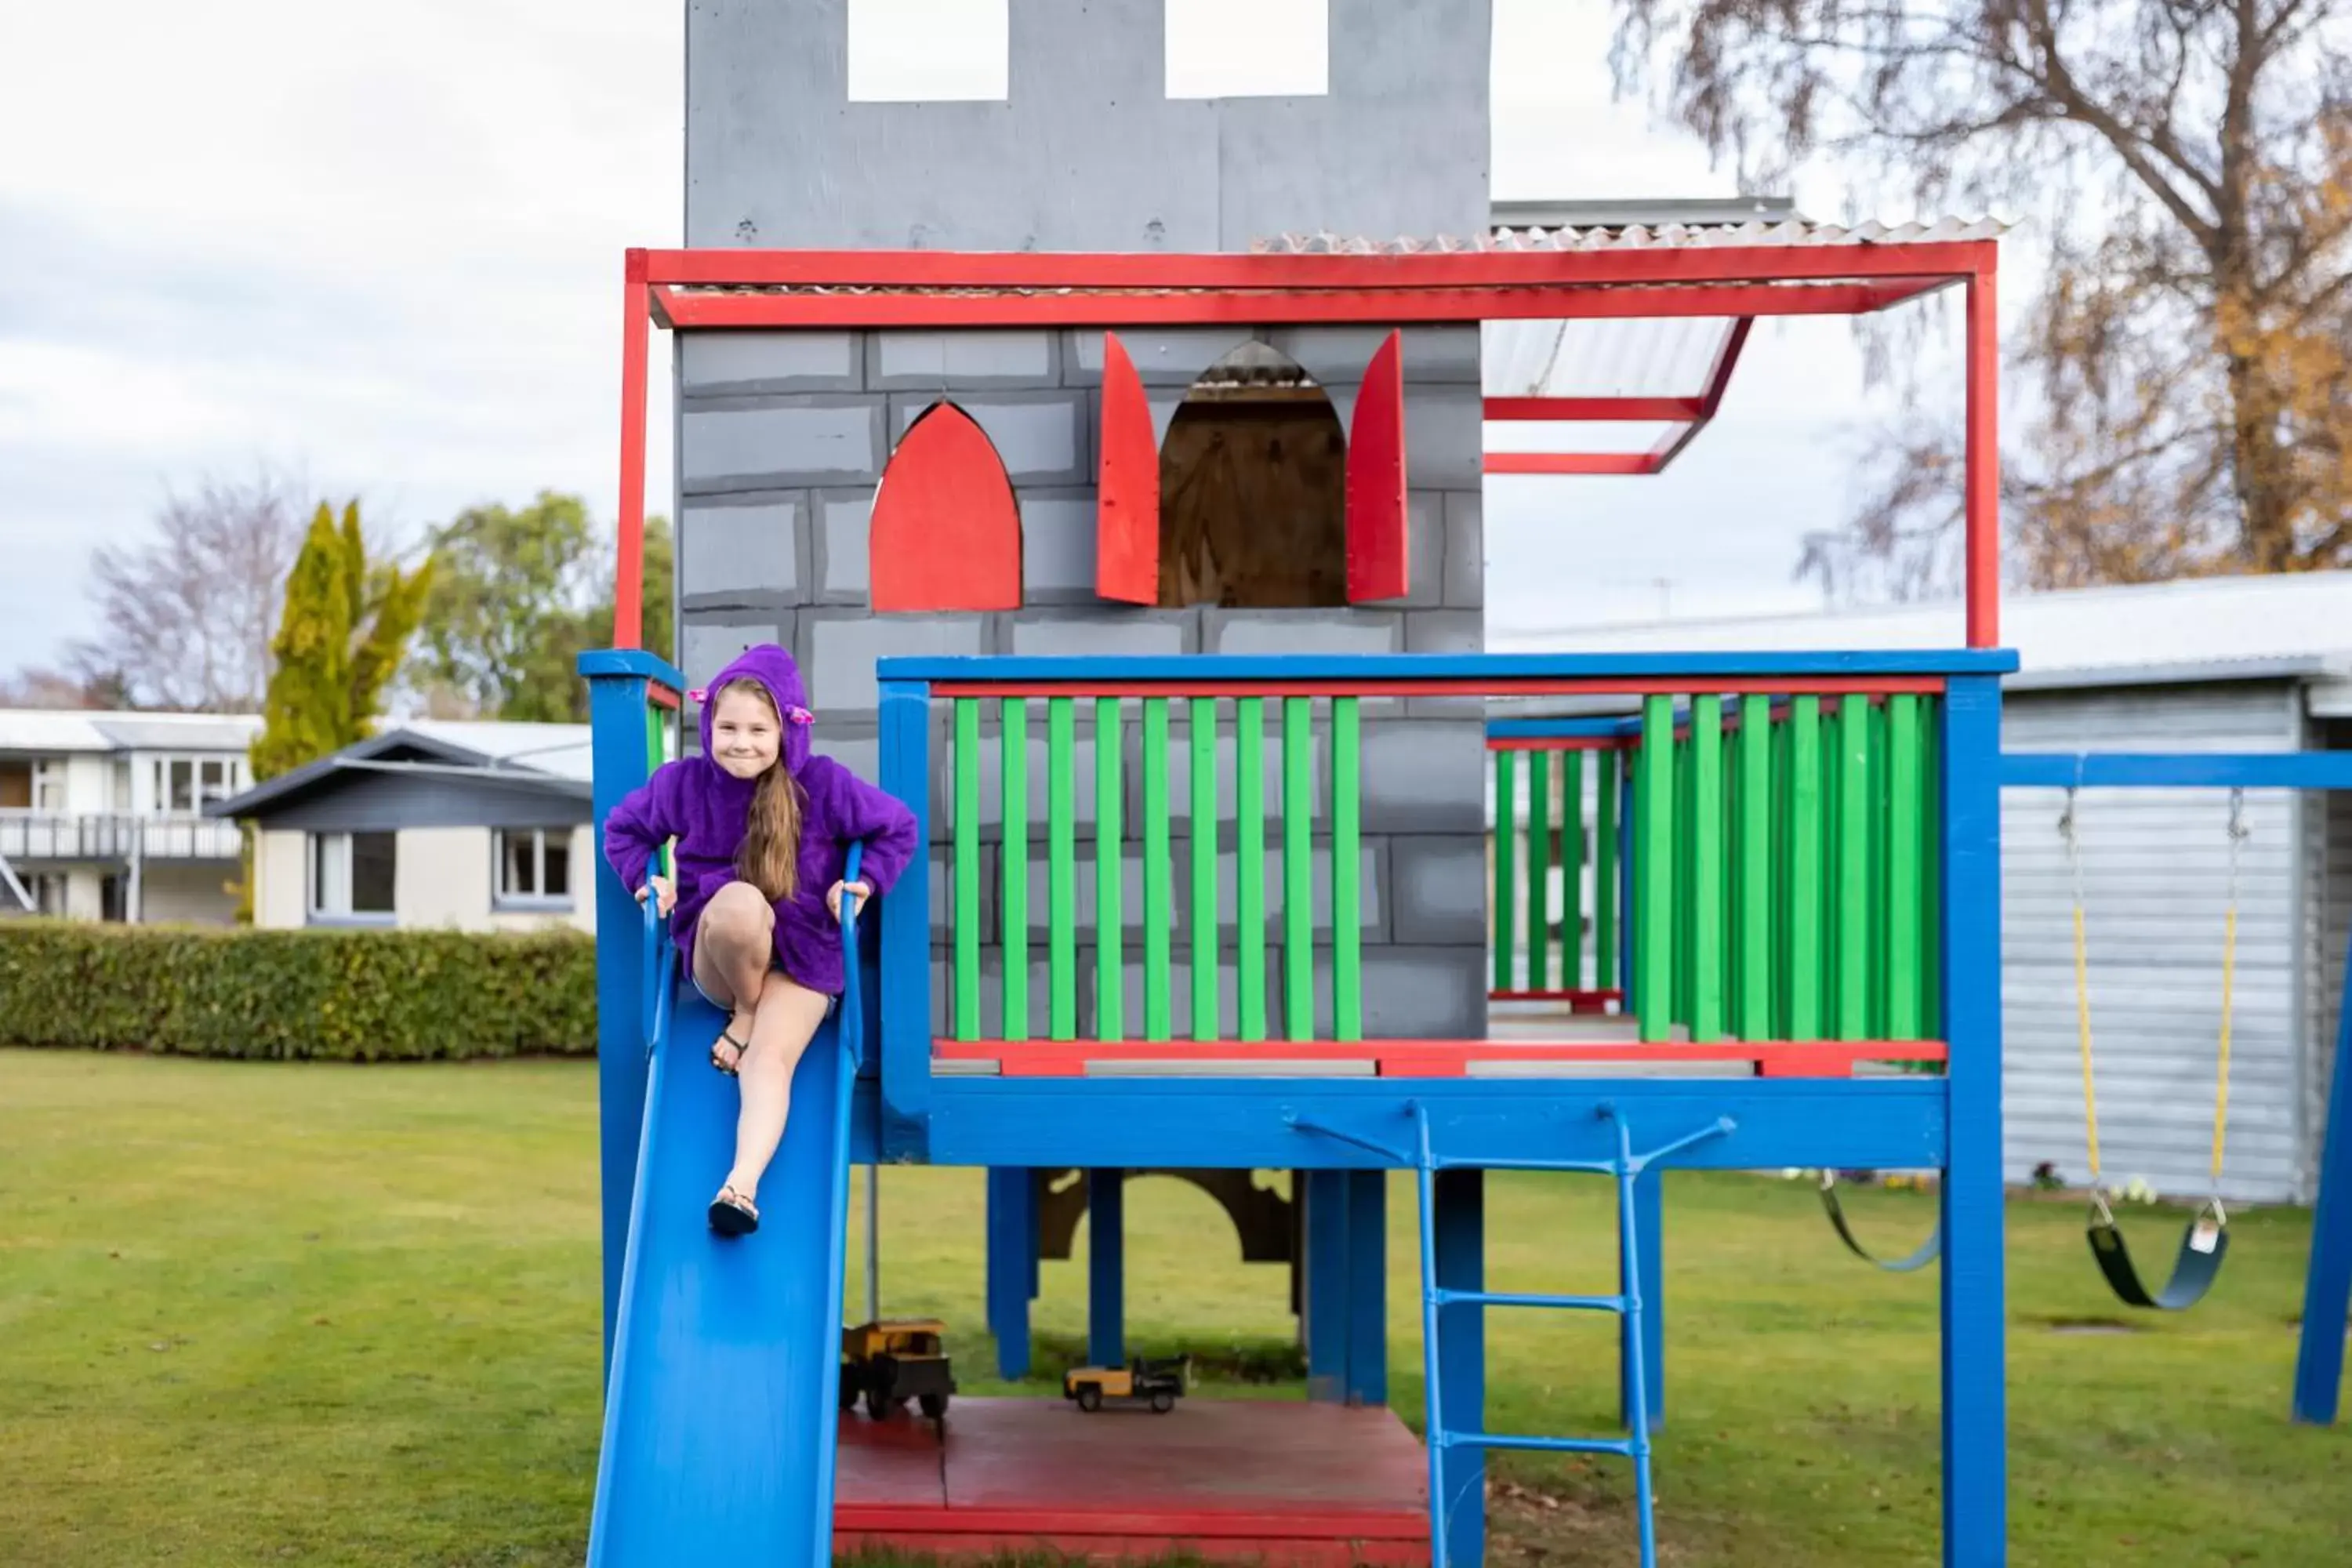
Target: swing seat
[[2199, 1263], [1928, 1250]]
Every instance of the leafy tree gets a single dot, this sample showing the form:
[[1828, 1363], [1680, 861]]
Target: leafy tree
[[2188, 172], [518, 594], [344, 629]]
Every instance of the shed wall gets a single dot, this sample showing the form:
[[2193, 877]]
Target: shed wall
[[2155, 875]]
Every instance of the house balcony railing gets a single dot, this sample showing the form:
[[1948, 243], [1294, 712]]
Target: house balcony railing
[[39, 836]]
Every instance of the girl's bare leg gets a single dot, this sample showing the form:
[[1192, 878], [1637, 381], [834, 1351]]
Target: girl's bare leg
[[787, 1017], [732, 942]]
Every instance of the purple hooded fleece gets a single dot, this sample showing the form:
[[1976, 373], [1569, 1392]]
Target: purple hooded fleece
[[705, 807]]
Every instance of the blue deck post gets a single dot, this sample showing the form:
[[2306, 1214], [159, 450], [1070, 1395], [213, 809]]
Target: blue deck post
[[1106, 1267], [1649, 1257], [1345, 1286], [2328, 1287], [1976, 1498], [1326, 1311], [1012, 1265], [907, 1019], [617, 681], [1368, 1294], [1460, 1244]]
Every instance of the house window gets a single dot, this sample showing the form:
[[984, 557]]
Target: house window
[[1248, 48], [49, 787], [930, 51], [181, 786], [534, 867], [352, 875]]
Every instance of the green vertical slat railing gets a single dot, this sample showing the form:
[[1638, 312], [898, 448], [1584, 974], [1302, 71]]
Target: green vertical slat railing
[[1297, 869], [1853, 902], [966, 853], [1158, 895], [1931, 878], [1754, 774], [1906, 840], [1571, 870], [1203, 826], [1507, 866], [1347, 851], [1807, 872], [1249, 893], [1881, 849], [1706, 868], [1061, 868], [1686, 885], [1782, 814], [1653, 863], [1012, 770], [1539, 871], [1110, 958], [1605, 870]]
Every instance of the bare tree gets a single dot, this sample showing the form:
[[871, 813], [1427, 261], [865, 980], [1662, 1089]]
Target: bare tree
[[2186, 166], [185, 615]]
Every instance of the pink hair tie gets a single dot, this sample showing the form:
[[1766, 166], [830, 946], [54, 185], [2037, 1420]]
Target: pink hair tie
[[699, 694], [799, 715]]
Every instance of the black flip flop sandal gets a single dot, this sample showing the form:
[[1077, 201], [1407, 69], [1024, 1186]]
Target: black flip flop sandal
[[732, 1213], [740, 1047]]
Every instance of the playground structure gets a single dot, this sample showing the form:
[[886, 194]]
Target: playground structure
[[1190, 1001]]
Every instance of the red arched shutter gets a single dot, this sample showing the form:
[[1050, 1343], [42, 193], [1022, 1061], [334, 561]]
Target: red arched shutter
[[946, 533], [1375, 483], [1127, 506]]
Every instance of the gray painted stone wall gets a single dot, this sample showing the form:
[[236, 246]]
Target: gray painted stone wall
[[782, 442], [1087, 153], [782, 436]]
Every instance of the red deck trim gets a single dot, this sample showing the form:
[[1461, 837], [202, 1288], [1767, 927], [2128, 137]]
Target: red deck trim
[[1293, 306], [1592, 410], [1618, 465], [1578, 997], [1765, 685], [1923, 262], [1561, 743], [1439, 1058]]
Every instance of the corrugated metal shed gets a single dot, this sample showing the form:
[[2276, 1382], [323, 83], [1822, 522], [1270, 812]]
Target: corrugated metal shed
[[2201, 628]]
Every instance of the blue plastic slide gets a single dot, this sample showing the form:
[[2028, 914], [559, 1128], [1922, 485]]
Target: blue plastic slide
[[719, 1419]]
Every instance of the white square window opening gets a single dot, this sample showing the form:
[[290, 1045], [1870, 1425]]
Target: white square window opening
[[1249, 49], [352, 875], [930, 51], [535, 866]]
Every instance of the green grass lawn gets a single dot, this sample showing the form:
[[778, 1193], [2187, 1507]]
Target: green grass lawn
[[253, 1313]]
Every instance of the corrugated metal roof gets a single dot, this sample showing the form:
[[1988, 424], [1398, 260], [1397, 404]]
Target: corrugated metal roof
[[1665, 356], [562, 750], [62, 731], [2205, 628], [1640, 236]]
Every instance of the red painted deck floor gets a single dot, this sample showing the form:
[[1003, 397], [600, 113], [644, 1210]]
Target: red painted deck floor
[[1318, 1486]]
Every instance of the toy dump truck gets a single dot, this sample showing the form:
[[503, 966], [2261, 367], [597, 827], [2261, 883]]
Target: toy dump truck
[[893, 1361], [1156, 1383]]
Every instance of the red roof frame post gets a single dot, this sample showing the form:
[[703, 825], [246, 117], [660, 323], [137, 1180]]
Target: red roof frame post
[[1806, 271]]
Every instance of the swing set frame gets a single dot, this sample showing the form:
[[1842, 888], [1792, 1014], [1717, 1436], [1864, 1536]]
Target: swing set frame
[[2327, 1283]]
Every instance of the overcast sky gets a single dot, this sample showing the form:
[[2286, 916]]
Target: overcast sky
[[383, 248]]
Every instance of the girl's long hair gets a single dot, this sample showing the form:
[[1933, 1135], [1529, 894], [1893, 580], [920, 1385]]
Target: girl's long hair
[[770, 856]]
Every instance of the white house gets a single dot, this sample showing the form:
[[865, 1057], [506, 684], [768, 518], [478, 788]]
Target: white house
[[477, 827], [2237, 664], [102, 814]]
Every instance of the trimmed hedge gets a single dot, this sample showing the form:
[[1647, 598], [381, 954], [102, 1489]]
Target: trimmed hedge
[[333, 996]]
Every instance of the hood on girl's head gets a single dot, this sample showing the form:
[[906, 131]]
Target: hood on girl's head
[[773, 668]]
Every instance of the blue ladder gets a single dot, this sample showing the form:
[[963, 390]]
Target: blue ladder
[[1627, 1302]]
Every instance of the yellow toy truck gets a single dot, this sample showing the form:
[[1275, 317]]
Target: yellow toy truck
[[1156, 1383], [894, 1360]]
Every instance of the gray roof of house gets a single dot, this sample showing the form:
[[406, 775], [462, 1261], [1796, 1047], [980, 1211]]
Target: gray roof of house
[[544, 759]]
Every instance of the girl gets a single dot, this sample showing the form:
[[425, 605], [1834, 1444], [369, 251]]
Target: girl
[[761, 826]]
